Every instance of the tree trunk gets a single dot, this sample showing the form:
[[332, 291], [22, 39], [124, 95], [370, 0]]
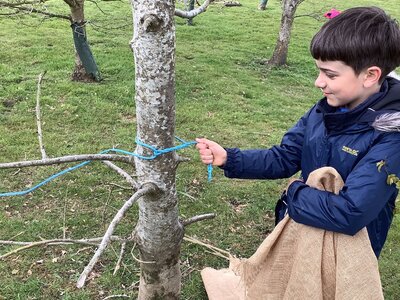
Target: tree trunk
[[158, 232], [80, 73], [263, 4], [190, 7], [279, 57]]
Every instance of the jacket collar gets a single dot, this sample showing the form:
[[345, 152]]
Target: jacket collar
[[336, 121]]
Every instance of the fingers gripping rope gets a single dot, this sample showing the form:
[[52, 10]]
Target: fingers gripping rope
[[156, 153]]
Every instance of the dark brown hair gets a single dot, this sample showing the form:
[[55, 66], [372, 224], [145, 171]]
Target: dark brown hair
[[360, 37]]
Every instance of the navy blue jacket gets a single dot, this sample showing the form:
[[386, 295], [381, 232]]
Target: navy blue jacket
[[348, 142]]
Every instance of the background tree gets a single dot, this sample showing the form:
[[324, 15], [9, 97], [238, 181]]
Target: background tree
[[85, 68], [263, 4], [159, 231], [190, 6], [279, 57]]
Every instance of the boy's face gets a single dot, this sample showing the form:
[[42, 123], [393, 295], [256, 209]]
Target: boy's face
[[340, 85]]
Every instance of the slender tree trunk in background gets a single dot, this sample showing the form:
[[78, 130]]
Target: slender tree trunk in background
[[279, 57], [78, 18], [263, 4], [158, 232], [190, 7]]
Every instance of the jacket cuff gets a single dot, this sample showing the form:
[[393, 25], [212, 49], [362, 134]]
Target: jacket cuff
[[293, 189], [232, 165]]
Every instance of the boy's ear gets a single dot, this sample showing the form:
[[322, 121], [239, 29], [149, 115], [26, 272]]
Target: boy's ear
[[372, 76]]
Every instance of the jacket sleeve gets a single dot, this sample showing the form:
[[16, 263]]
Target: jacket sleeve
[[362, 198], [277, 162]]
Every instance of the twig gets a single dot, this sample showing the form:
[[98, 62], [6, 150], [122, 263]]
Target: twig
[[98, 7], [67, 159], [146, 189], [123, 173], [18, 234], [16, 172], [222, 253], [105, 208], [64, 215], [38, 116], [194, 12], [118, 264], [217, 254], [197, 219], [187, 195], [188, 271], [137, 259], [115, 296], [18, 7], [91, 241], [45, 242]]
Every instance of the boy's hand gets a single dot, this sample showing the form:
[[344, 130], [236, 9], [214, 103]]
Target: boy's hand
[[211, 152]]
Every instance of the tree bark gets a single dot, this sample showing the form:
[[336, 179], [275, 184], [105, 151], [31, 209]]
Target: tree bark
[[158, 232], [279, 57]]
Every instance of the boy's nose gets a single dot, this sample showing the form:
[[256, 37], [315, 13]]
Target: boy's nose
[[319, 82]]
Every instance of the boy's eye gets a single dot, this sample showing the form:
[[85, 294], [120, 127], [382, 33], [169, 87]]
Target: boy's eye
[[331, 76]]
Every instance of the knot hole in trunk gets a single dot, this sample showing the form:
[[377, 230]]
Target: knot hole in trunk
[[151, 23]]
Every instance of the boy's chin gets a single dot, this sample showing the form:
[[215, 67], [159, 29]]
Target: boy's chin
[[333, 103]]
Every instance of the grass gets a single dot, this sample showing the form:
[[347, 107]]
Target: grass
[[222, 92]]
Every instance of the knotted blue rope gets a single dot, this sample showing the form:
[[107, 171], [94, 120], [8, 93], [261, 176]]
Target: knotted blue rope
[[155, 154]]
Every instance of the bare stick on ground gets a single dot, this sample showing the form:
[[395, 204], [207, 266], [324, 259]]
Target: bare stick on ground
[[38, 117], [28, 245], [121, 254]]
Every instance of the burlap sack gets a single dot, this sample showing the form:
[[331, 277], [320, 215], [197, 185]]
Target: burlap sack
[[301, 262]]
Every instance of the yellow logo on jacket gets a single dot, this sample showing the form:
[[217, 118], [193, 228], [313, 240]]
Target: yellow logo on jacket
[[350, 151]]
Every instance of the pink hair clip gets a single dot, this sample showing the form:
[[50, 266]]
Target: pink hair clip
[[332, 13]]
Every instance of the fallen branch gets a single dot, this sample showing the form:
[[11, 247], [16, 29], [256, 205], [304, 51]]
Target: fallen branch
[[194, 12], [38, 121], [28, 245], [197, 219], [146, 189], [121, 254], [116, 296], [67, 159], [217, 251]]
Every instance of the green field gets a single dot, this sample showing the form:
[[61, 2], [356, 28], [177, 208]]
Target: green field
[[223, 92]]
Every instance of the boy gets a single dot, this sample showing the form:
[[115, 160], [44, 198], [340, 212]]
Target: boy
[[352, 128]]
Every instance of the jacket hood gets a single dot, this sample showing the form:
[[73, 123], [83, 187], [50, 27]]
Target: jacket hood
[[387, 122], [392, 99], [388, 108]]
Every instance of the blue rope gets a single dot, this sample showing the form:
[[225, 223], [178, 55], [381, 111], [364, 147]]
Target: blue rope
[[156, 153]]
